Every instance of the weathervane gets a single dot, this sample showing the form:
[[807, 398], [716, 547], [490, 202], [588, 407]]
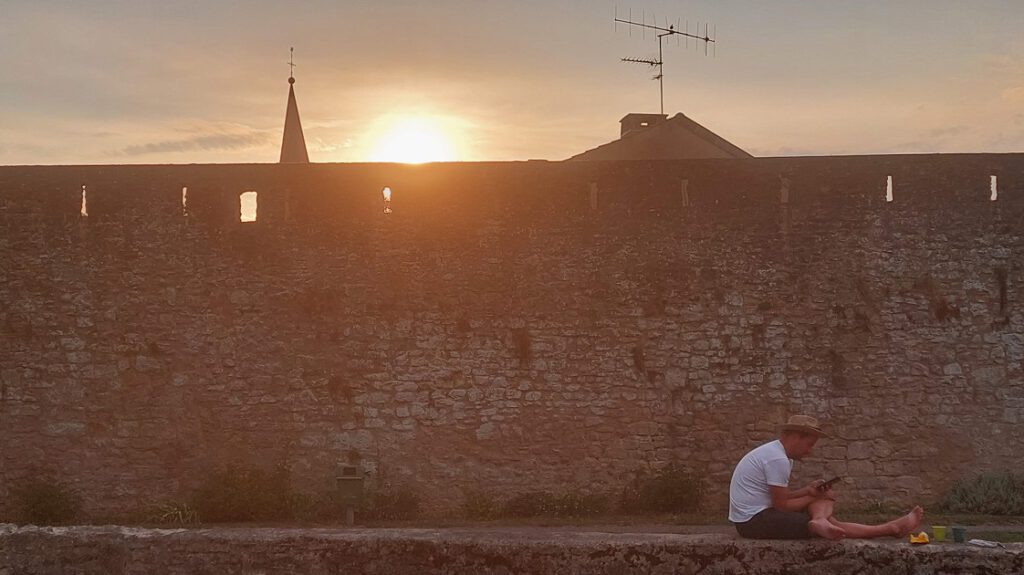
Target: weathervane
[[661, 33], [291, 66]]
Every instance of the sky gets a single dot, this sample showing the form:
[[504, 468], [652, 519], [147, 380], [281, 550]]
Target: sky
[[153, 82]]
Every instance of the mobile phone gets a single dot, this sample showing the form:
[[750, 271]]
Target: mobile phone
[[830, 483]]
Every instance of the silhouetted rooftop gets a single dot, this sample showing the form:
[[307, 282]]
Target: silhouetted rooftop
[[651, 137]]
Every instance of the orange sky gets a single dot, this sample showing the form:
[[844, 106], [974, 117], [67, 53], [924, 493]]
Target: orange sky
[[180, 82]]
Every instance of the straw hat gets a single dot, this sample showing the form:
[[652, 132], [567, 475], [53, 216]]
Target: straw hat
[[803, 424]]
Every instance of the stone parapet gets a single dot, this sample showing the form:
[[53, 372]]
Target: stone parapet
[[120, 550]]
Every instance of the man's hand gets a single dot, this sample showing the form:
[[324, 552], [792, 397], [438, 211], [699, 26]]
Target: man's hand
[[817, 490], [785, 499], [814, 487]]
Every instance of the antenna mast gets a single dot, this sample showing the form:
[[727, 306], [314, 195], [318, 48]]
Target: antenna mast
[[291, 66], [661, 33]]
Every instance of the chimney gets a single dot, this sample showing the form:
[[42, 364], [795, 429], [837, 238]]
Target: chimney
[[636, 122]]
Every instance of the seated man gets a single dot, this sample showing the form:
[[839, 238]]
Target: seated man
[[762, 506]]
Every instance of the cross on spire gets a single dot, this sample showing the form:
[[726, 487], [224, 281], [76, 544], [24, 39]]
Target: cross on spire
[[291, 65]]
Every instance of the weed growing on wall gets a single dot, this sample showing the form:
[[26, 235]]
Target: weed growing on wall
[[531, 504], [236, 494], [172, 513], [392, 504], [479, 505], [581, 505], [45, 501], [671, 490], [989, 494]]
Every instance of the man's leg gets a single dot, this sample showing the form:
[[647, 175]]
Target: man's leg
[[895, 528], [821, 523], [775, 524]]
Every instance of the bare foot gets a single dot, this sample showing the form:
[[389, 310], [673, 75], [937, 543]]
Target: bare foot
[[909, 523], [822, 528]]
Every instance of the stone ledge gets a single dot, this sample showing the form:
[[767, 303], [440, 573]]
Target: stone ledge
[[34, 550]]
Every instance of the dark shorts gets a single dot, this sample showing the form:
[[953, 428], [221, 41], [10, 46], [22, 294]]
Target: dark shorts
[[774, 524]]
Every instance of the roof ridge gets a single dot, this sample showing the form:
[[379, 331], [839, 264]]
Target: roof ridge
[[678, 121]]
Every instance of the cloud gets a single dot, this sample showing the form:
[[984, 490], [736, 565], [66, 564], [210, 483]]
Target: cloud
[[948, 131], [22, 151], [318, 145], [1008, 142], [1015, 94], [203, 143]]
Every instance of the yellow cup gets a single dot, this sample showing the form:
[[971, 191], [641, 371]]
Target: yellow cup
[[939, 532]]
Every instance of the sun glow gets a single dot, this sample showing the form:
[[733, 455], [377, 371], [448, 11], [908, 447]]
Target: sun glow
[[415, 140]]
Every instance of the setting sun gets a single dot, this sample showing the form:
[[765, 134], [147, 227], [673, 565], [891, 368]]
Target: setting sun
[[414, 140]]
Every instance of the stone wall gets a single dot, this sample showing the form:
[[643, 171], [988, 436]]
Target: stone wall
[[510, 326]]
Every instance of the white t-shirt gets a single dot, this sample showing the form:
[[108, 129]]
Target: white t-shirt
[[748, 492]]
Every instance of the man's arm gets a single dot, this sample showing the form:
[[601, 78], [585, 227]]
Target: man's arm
[[786, 499]]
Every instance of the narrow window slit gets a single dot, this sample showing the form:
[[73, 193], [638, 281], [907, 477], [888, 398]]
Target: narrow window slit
[[1001, 280], [85, 204], [888, 188], [995, 189], [387, 199], [249, 207], [184, 201]]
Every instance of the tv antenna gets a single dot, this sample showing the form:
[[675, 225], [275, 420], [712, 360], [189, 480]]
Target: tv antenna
[[661, 32]]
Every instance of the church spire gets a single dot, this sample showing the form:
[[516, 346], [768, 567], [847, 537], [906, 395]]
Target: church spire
[[293, 145]]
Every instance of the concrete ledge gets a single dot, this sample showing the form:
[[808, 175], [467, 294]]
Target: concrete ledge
[[121, 550]]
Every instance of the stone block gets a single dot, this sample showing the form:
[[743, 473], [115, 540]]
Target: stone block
[[72, 343], [1013, 415], [952, 369], [485, 431], [861, 468], [79, 357], [145, 363], [859, 450]]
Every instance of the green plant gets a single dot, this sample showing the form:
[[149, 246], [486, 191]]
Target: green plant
[[173, 513], [545, 504], [582, 505], [988, 493], [530, 504], [672, 490], [480, 505], [1000, 536], [876, 506], [315, 507], [393, 504], [245, 494], [45, 501]]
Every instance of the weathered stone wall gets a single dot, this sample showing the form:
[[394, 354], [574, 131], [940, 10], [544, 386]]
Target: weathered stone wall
[[119, 551], [510, 326]]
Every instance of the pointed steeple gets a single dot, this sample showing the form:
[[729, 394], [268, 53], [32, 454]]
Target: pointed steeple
[[293, 145]]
